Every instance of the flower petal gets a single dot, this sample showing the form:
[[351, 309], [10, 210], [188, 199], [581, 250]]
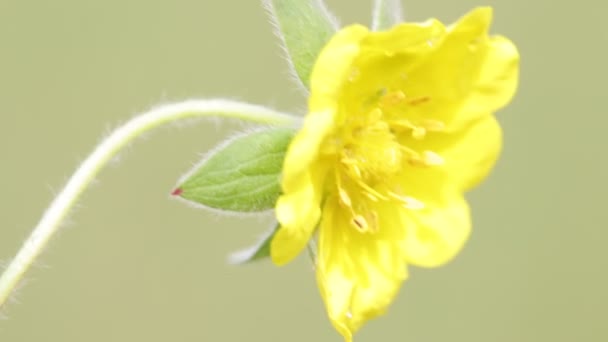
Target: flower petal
[[359, 274], [304, 148], [436, 233], [474, 23], [333, 67], [429, 93], [299, 208], [386, 58], [298, 212], [469, 154], [405, 39], [468, 75], [497, 79]]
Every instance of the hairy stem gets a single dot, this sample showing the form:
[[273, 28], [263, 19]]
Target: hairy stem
[[104, 152], [385, 14]]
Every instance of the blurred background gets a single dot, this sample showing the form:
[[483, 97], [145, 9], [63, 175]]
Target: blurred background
[[133, 265]]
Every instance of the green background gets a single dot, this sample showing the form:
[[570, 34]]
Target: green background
[[133, 265]]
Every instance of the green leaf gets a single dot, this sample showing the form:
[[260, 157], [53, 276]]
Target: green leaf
[[386, 14], [304, 26], [260, 250], [242, 175]]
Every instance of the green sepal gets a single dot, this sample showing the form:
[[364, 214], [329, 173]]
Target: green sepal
[[260, 250], [241, 175], [304, 26], [386, 14]]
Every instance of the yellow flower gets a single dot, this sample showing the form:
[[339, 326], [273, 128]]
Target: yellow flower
[[400, 125]]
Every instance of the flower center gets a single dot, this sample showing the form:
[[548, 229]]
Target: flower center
[[373, 150]]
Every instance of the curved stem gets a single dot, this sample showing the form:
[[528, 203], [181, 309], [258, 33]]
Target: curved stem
[[386, 14], [104, 152]]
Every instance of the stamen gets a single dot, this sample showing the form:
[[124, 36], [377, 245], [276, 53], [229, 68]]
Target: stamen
[[393, 98], [427, 158], [416, 161], [418, 100], [407, 201], [344, 198], [371, 196], [379, 126], [431, 158], [410, 152], [357, 171], [418, 132], [433, 125], [363, 224], [419, 129], [360, 223], [370, 190], [403, 124], [351, 165]]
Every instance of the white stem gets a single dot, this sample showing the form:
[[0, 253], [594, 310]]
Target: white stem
[[386, 14], [104, 152]]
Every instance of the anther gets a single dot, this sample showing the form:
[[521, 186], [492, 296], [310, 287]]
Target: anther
[[433, 125], [344, 198], [412, 203], [408, 202], [360, 222], [431, 158], [418, 100], [418, 132], [427, 158], [393, 98]]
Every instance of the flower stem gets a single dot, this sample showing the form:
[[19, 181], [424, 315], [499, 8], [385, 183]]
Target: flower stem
[[311, 247], [104, 152]]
